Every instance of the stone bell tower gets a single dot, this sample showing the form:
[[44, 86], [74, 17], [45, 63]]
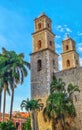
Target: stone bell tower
[[70, 58], [44, 62]]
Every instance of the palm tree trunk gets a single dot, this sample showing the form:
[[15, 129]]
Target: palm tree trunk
[[31, 120], [63, 122], [12, 100], [53, 124], [36, 120], [4, 102], [0, 101]]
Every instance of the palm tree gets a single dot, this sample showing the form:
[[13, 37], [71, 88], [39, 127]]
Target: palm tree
[[59, 104], [57, 85], [0, 95], [18, 68], [71, 89], [49, 111], [32, 106], [2, 63], [0, 101], [4, 85], [4, 80]]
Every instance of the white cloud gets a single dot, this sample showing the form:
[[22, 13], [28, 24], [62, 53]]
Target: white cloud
[[80, 61], [57, 36], [57, 45], [60, 63], [80, 46], [65, 25], [80, 34], [63, 28], [68, 30], [60, 28]]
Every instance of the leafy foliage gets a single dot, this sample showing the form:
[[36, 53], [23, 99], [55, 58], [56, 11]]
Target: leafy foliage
[[57, 85], [32, 104], [59, 104], [7, 126], [13, 70], [27, 124]]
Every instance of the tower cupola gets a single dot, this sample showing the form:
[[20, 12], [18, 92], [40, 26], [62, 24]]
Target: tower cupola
[[70, 57]]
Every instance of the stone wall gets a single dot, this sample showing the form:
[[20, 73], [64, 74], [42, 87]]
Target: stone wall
[[74, 76], [45, 36], [40, 83], [40, 80]]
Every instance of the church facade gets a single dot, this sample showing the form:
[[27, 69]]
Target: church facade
[[44, 63]]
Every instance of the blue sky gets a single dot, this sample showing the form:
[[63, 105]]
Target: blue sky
[[16, 27]]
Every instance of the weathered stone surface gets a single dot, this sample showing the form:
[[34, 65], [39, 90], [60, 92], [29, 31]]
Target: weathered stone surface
[[70, 57], [74, 76], [40, 80]]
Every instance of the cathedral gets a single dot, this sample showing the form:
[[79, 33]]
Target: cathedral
[[44, 63]]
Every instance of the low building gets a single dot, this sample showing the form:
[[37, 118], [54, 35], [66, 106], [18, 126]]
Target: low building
[[18, 118]]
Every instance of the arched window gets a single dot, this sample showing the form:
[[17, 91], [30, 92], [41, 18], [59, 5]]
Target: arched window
[[48, 25], [77, 62], [50, 43], [68, 63], [67, 47], [39, 26], [39, 44], [53, 62], [39, 65], [74, 47]]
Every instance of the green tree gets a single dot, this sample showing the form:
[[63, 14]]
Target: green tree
[[59, 104], [16, 67], [32, 106], [5, 83], [2, 63], [4, 80], [57, 85], [27, 124], [71, 89], [7, 126], [0, 101]]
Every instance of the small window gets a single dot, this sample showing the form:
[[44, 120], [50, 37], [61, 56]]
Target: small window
[[39, 26], [77, 62], [53, 62], [68, 63], [39, 44], [48, 25], [50, 43], [74, 47], [67, 47], [39, 65]]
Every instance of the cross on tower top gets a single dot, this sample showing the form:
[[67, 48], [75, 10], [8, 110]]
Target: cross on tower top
[[67, 36]]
